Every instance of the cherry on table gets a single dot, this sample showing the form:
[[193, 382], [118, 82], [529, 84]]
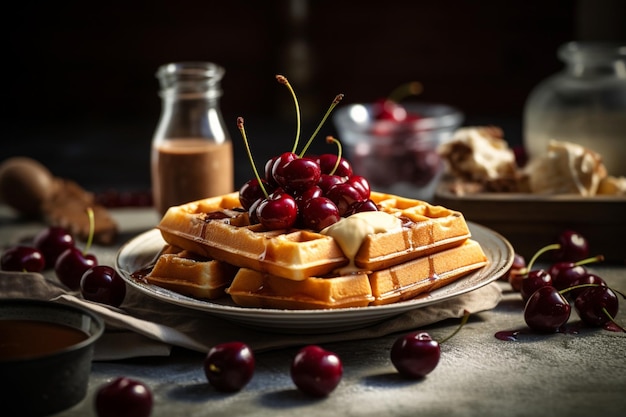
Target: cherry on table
[[71, 265], [316, 371], [546, 310], [591, 304], [415, 355], [52, 241], [229, 366], [587, 279], [23, 259], [102, 284], [573, 246], [535, 279], [124, 397]]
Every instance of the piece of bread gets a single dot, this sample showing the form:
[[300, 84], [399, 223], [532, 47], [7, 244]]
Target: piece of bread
[[401, 282], [219, 229]]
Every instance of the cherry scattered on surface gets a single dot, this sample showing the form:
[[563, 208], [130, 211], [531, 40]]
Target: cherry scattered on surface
[[23, 259], [547, 310], [52, 241], [573, 246], [102, 284], [229, 366], [316, 371], [71, 265], [536, 279], [124, 397], [415, 355], [597, 305]]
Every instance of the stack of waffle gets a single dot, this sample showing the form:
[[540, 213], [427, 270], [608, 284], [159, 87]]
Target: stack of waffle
[[212, 251]]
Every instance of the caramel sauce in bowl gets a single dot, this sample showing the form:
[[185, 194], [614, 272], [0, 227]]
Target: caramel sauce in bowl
[[46, 350]]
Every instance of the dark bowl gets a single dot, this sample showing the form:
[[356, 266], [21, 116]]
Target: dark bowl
[[46, 350]]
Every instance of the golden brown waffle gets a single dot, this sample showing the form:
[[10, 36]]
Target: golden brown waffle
[[401, 282], [255, 289], [218, 228], [186, 273], [407, 280]]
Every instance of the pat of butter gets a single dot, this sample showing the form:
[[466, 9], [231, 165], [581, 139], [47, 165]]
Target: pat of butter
[[351, 231]]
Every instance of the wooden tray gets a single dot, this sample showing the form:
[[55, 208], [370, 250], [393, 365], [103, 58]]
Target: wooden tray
[[530, 221]]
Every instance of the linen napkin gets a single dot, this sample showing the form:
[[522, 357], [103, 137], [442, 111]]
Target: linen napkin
[[145, 326]]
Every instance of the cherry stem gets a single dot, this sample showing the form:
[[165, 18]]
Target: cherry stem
[[413, 88], [283, 80], [245, 141], [604, 310], [597, 258], [330, 139], [336, 101], [92, 229], [463, 321], [540, 252], [563, 291]]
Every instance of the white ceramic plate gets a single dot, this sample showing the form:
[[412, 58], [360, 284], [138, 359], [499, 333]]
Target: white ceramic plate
[[142, 251]]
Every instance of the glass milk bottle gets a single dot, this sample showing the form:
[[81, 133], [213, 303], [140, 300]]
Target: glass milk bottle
[[584, 104], [192, 154]]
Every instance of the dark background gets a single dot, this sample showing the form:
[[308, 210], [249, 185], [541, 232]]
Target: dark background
[[79, 91]]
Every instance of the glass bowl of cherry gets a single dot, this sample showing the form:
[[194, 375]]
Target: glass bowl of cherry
[[394, 145]]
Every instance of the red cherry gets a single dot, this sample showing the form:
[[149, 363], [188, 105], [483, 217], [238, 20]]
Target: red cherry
[[279, 164], [278, 211], [52, 241], [536, 279], [546, 310], [592, 303], [573, 246], [318, 213], [361, 206], [361, 185], [385, 109], [326, 181], [124, 397], [229, 366], [310, 193], [565, 273], [328, 161], [102, 284], [415, 355], [252, 191], [298, 174], [316, 371], [71, 265], [22, 258], [587, 279], [343, 195]]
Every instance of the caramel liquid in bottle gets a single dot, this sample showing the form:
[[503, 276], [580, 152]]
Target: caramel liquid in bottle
[[192, 154], [191, 169]]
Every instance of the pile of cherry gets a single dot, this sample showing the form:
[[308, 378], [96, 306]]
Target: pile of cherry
[[305, 192], [55, 248], [308, 192], [549, 293]]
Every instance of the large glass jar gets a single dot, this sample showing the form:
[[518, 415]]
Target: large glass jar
[[584, 104], [192, 155]]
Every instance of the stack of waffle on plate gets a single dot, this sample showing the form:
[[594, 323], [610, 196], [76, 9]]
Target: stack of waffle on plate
[[213, 251]]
